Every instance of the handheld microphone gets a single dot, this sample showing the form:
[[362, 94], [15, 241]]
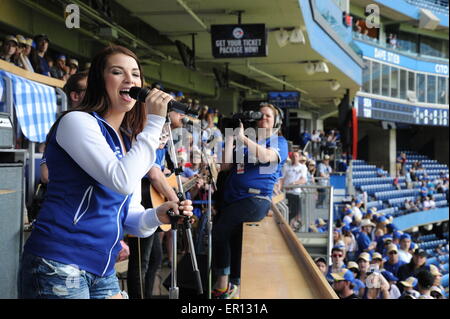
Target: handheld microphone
[[140, 94]]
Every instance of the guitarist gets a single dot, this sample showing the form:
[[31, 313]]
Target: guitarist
[[146, 253]]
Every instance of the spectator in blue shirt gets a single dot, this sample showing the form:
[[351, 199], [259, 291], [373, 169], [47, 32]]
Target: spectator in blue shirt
[[39, 55], [393, 263], [365, 243]]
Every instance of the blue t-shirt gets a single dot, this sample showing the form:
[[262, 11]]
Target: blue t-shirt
[[363, 241], [255, 179], [393, 268], [160, 157], [44, 66]]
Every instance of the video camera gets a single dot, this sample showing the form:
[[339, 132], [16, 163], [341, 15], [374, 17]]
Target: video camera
[[248, 118]]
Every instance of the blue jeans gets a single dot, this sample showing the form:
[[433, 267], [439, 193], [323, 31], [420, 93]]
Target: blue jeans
[[227, 234], [42, 278]]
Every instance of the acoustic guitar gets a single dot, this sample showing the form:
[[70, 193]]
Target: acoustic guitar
[[159, 199]]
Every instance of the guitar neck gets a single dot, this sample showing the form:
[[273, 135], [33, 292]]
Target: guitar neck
[[190, 183]]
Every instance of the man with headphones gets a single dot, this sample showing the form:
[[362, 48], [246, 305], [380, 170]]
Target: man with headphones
[[247, 193]]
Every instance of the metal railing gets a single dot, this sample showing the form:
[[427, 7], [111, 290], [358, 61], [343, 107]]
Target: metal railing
[[316, 202], [30, 155]]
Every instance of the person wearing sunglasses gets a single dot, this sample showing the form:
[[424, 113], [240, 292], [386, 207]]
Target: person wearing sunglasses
[[337, 261], [393, 263]]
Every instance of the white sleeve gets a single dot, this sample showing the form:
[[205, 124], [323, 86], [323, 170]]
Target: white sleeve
[[80, 136], [140, 222]]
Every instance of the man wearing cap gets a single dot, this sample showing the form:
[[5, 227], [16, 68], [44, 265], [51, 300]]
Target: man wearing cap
[[408, 285], [417, 263], [24, 52], [363, 262], [343, 284], [39, 55], [359, 285], [365, 243], [437, 279], [72, 66], [393, 263], [9, 48], [377, 260], [405, 244]]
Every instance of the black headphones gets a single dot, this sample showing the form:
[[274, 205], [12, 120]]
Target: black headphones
[[279, 117]]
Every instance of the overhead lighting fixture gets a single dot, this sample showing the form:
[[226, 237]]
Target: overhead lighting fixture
[[310, 68], [321, 67], [334, 85], [297, 36], [282, 37], [336, 101], [274, 78]]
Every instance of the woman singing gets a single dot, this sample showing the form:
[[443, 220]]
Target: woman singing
[[97, 155]]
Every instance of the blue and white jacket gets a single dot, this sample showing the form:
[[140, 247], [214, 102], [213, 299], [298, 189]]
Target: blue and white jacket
[[94, 193]]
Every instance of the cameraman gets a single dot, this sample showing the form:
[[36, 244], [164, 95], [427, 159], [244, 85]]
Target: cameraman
[[247, 194]]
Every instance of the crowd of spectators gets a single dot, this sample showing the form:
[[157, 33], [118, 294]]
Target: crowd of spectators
[[377, 261], [32, 54], [322, 142]]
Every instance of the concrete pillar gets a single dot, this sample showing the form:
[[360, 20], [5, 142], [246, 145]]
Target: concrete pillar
[[392, 151]]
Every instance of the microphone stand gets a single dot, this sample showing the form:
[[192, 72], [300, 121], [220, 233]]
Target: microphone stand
[[174, 289], [210, 184]]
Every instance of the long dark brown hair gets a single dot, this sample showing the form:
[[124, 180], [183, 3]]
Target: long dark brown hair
[[96, 97]]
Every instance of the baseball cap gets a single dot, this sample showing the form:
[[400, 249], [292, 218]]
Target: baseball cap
[[387, 238], [11, 38], [21, 39], [40, 37], [73, 62], [352, 264], [420, 252], [377, 256], [409, 282], [382, 220], [321, 259], [339, 246], [436, 289], [366, 222], [320, 222], [397, 234], [365, 256], [407, 236], [391, 247], [389, 276], [29, 41], [344, 274], [435, 270]]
